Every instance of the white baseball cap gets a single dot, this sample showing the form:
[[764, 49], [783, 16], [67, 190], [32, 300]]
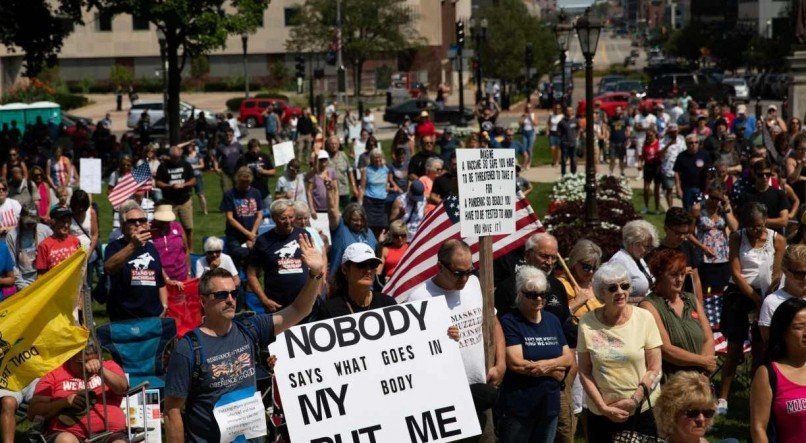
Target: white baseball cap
[[359, 253], [323, 155]]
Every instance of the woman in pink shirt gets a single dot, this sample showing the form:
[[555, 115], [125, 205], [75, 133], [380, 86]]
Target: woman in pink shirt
[[169, 239], [778, 398]]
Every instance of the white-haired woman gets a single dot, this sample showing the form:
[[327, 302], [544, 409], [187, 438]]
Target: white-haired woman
[[638, 237], [373, 190], [433, 169], [302, 219], [214, 257], [537, 360], [619, 359]]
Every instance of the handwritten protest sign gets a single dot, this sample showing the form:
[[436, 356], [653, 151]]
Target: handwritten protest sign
[[283, 153], [486, 191], [385, 375]]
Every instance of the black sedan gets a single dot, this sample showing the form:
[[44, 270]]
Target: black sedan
[[412, 108]]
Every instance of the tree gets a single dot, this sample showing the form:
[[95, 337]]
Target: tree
[[369, 28], [38, 28], [191, 28], [510, 28]]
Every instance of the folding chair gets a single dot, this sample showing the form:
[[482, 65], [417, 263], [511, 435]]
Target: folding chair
[[193, 259], [140, 347]]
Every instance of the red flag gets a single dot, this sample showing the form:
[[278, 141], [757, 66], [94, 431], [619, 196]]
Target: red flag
[[185, 306], [419, 262]]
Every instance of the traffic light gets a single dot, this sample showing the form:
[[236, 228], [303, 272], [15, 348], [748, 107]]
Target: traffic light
[[460, 33], [300, 66]]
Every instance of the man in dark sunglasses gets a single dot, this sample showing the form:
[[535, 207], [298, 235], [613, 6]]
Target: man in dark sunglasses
[[220, 357], [461, 288], [775, 200]]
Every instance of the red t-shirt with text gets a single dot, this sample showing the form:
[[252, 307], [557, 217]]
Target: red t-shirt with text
[[53, 251]]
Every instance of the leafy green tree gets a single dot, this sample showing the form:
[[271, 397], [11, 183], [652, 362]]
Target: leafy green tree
[[38, 28], [121, 75], [191, 28], [369, 28]]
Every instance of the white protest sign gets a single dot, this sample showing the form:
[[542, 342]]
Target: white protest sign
[[283, 153], [90, 177], [322, 224], [354, 131], [240, 415], [385, 375], [486, 191]]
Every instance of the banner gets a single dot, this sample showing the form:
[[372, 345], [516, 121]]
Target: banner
[[185, 306], [385, 375], [37, 330]]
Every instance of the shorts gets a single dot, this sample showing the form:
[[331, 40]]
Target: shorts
[[184, 213], [618, 150], [521, 149], [23, 396], [652, 173], [199, 186], [734, 323], [554, 140], [667, 182]]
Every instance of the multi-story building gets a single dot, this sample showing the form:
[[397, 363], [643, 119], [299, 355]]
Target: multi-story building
[[104, 41], [760, 16]]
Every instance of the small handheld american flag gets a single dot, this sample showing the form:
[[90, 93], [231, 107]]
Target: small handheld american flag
[[138, 179]]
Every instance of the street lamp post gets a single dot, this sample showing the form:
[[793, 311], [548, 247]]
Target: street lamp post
[[562, 31], [479, 37], [244, 40], [164, 66], [588, 29]]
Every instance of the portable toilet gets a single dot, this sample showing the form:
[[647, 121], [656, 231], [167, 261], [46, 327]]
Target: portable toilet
[[46, 110], [13, 112]]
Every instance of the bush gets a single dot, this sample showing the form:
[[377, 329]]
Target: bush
[[234, 104], [199, 67], [70, 101], [120, 75]]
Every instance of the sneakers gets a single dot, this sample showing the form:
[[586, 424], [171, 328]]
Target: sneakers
[[721, 407]]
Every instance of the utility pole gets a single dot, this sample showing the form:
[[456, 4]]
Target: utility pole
[[460, 43]]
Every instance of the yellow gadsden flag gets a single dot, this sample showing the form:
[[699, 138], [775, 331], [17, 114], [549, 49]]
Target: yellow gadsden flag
[[37, 331]]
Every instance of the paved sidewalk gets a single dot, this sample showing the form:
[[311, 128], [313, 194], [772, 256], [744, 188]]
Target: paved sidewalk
[[550, 174]]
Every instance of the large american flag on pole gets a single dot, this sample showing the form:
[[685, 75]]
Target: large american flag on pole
[[138, 179], [419, 262]]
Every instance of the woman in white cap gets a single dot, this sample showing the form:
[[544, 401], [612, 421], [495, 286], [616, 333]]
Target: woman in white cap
[[169, 239], [316, 184], [773, 120]]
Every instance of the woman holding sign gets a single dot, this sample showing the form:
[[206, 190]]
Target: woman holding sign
[[538, 358]]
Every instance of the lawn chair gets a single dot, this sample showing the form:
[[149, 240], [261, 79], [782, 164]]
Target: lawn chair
[[193, 259], [140, 347]]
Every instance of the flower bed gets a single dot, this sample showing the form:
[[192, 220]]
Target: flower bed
[[565, 218]]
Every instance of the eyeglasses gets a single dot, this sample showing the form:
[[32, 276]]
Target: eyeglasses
[[615, 287], [223, 295], [799, 275], [459, 274], [137, 221], [534, 295], [213, 252], [694, 413], [398, 235], [587, 267]]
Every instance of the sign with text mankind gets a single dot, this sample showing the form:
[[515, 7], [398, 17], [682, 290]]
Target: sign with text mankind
[[486, 191], [388, 375]]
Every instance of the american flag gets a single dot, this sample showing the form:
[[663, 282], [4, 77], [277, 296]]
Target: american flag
[[419, 262], [138, 179], [8, 218]]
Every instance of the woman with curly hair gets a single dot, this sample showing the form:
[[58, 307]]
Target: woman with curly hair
[[685, 409]]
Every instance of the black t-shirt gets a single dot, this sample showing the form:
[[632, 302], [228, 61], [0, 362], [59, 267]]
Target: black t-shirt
[[280, 258], [169, 172], [417, 162], [618, 130], [567, 129], [774, 199], [341, 305], [134, 290], [690, 167], [692, 260], [253, 161], [445, 185], [506, 266]]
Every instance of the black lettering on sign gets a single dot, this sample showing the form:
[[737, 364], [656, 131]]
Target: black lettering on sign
[[322, 410], [355, 434], [371, 325], [435, 347], [306, 377], [428, 430], [397, 384], [396, 355], [350, 366]]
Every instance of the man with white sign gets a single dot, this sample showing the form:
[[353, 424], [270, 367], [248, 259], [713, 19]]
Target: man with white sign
[[462, 291], [212, 370]]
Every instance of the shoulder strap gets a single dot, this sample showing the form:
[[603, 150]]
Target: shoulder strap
[[198, 357], [251, 331]]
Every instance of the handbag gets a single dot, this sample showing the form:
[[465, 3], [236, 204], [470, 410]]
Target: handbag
[[633, 436]]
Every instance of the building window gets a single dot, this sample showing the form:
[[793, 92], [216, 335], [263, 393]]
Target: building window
[[140, 23], [103, 21], [292, 16]]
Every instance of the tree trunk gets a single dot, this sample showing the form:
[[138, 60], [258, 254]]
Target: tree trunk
[[174, 83]]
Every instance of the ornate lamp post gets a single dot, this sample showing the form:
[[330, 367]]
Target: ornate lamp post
[[244, 41], [588, 29], [562, 31]]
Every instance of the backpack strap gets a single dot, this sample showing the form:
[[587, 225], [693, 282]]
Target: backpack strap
[[249, 329], [198, 357]]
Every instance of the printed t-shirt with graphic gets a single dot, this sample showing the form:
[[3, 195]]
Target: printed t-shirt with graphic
[[244, 206], [253, 162], [466, 308], [10, 213], [61, 383], [617, 354], [23, 251], [228, 365], [522, 395], [280, 258], [134, 290], [53, 251], [175, 173]]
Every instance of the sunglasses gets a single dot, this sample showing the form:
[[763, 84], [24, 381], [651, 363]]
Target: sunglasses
[[534, 295], [369, 264], [398, 235], [615, 287], [137, 221], [223, 295], [3, 189], [694, 413], [587, 267], [764, 174], [213, 252], [459, 274]]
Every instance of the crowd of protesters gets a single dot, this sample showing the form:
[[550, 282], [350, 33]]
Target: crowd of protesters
[[626, 339]]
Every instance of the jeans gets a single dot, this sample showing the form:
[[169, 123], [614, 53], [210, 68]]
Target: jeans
[[689, 194], [529, 141], [540, 429], [568, 153]]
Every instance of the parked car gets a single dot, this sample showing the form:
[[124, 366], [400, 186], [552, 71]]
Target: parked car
[[700, 87], [412, 108], [159, 130], [740, 90], [69, 124], [156, 112], [251, 111], [607, 80], [610, 100], [628, 86]]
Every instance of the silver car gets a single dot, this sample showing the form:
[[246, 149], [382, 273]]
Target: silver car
[[156, 112], [740, 87]]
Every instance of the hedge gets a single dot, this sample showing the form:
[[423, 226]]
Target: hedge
[[234, 104], [70, 101]]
